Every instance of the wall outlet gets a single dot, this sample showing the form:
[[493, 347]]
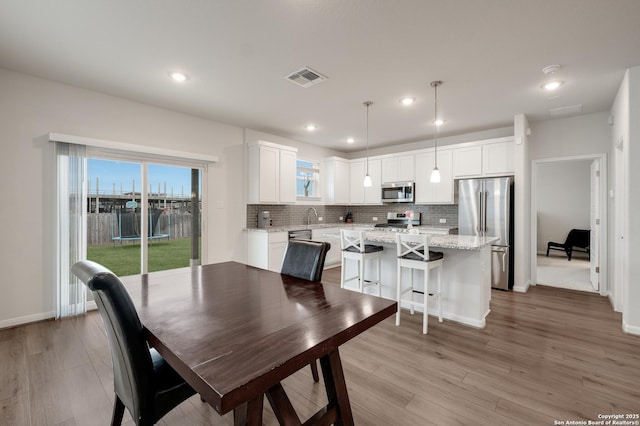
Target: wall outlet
[[320, 219], [375, 218], [341, 218], [443, 220]]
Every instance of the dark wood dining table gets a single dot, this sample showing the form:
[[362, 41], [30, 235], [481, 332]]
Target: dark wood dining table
[[234, 332]]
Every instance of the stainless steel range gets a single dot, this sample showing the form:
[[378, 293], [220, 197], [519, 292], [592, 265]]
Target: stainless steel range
[[401, 220]]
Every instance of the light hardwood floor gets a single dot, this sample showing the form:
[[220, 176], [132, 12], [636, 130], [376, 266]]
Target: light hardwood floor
[[550, 354]]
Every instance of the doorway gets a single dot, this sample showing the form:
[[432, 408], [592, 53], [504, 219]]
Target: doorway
[[567, 193]]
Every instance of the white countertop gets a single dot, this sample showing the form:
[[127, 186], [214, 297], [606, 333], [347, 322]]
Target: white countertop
[[446, 228], [314, 226]]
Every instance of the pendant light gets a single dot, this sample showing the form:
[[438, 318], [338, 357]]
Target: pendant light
[[367, 177], [435, 174]]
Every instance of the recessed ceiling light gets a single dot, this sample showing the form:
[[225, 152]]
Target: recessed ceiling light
[[407, 101], [351, 140], [439, 122], [552, 85], [310, 127], [178, 76]]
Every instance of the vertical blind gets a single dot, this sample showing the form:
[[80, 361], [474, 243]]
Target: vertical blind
[[71, 196]]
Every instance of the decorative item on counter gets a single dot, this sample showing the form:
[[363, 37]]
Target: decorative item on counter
[[348, 218], [306, 185]]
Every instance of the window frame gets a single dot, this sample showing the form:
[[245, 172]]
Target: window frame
[[316, 194], [151, 158]]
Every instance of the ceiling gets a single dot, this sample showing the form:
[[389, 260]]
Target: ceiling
[[237, 53]]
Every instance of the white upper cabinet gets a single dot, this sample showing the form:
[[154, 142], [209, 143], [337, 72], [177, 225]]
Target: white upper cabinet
[[399, 168], [271, 173], [337, 181], [467, 161], [358, 194], [356, 186], [288, 176], [434, 193], [497, 158], [489, 158]]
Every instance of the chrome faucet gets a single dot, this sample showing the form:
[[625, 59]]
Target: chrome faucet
[[314, 211]]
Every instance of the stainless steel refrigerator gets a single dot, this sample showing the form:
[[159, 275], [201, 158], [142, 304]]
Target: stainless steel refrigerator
[[485, 208]]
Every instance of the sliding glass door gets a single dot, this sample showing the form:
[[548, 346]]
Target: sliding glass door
[[173, 200], [143, 216]]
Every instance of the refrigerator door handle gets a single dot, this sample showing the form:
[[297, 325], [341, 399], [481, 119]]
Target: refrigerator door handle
[[480, 210], [484, 210], [504, 261]]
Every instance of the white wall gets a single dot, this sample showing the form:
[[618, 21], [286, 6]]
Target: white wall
[[631, 313], [618, 256], [522, 204], [571, 136], [31, 108], [626, 113], [563, 200]]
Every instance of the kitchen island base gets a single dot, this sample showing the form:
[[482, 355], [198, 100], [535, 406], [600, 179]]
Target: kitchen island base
[[466, 281]]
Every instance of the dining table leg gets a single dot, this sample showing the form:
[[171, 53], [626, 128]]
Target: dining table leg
[[249, 413], [336, 387]]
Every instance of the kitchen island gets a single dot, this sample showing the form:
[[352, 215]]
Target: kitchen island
[[466, 274]]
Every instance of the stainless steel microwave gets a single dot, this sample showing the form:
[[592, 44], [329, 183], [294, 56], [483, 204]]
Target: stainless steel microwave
[[398, 192]]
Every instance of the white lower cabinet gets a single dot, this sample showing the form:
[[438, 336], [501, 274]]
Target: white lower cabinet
[[334, 255], [266, 249]]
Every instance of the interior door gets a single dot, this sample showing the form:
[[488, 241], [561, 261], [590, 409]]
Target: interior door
[[595, 225]]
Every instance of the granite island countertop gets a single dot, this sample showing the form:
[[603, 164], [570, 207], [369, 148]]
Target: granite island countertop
[[459, 242]]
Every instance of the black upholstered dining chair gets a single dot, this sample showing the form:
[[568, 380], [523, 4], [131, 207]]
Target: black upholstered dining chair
[[305, 259], [143, 382]]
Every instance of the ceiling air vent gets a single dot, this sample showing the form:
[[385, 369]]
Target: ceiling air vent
[[567, 110], [306, 77]]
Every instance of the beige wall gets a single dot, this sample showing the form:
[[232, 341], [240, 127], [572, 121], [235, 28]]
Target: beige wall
[[31, 108]]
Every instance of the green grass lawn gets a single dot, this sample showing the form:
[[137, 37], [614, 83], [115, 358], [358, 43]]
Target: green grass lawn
[[125, 259]]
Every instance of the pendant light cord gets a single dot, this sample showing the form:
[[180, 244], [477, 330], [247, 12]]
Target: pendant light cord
[[435, 123], [367, 104]]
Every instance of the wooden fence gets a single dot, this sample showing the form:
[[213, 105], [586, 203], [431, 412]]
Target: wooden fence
[[99, 226]]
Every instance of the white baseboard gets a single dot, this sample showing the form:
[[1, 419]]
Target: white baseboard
[[471, 322], [12, 322], [630, 329], [613, 302], [522, 288]]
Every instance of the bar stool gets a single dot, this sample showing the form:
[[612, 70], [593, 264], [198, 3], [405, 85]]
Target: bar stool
[[411, 254], [354, 248]]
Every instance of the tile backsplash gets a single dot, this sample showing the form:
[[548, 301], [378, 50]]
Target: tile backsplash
[[284, 215]]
